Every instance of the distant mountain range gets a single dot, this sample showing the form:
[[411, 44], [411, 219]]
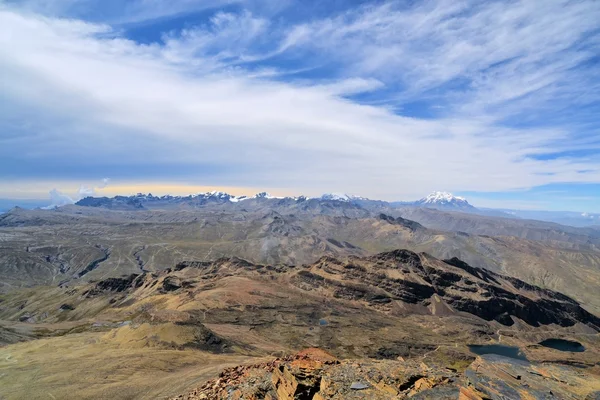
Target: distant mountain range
[[436, 200], [124, 234], [442, 201]]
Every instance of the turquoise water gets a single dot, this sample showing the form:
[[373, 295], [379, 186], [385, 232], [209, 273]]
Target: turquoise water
[[502, 350]]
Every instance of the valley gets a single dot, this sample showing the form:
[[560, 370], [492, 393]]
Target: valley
[[170, 296]]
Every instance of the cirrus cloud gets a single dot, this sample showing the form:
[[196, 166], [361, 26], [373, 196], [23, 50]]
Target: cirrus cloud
[[241, 100]]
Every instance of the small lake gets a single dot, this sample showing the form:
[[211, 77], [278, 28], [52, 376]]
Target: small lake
[[500, 349], [563, 345]]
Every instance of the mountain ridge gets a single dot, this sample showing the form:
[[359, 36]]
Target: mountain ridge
[[443, 201], [43, 246]]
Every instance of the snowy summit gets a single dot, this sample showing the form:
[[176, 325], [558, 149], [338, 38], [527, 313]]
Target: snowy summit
[[341, 197], [444, 200], [442, 197]]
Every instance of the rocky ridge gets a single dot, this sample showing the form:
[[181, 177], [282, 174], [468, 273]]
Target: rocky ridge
[[394, 282], [313, 374]]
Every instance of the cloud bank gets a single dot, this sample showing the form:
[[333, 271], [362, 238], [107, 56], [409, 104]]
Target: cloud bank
[[388, 100], [59, 199]]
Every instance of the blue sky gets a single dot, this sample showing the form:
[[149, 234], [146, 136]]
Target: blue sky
[[553, 197], [495, 100]]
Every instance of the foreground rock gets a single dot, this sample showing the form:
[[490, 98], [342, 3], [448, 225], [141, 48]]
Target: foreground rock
[[316, 375], [498, 377]]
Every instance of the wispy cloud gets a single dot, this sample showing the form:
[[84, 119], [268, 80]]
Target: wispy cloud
[[484, 54], [246, 100], [117, 11]]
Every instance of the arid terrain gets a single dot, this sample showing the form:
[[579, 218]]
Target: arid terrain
[[82, 243], [155, 303], [299, 200]]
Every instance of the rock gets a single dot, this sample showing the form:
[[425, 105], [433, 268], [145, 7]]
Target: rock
[[29, 318], [593, 396], [386, 388], [171, 283], [494, 376], [316, 375], [359, 386], [115, 285], [468, 394], [301, 378]]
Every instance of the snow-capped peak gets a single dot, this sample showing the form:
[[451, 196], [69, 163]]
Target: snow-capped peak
[[335, 196], [265, 195], [442, 198], [215, 194], [341, 197], [445, 201], [234, 199]]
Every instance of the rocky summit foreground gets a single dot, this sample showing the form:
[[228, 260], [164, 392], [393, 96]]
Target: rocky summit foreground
[[313, 374]]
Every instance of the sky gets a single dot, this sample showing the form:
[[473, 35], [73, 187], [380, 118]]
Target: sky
[[497, 101]]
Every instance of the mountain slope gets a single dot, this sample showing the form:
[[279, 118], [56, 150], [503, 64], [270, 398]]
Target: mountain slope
[[395, 282], [85, 243], [189, 321]]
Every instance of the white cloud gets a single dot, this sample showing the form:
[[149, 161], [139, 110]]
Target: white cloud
[[58, 199], [191, 101], [105, 182], [500, 51], [117, 11], [85, 191]]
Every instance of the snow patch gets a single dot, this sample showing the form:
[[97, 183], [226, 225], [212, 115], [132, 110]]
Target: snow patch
[[341, 197]]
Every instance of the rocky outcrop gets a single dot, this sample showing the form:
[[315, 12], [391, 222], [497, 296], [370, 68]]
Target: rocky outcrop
[[407, 223], [171, 283], [495, 377], [114, 285], [207, 340], [94, 264], [314, 374], [300, 378]]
